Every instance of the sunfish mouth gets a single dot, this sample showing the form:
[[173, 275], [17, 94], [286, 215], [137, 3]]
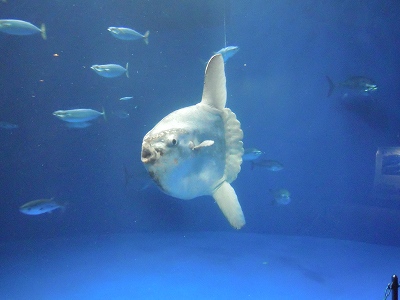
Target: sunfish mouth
[[149, 154]]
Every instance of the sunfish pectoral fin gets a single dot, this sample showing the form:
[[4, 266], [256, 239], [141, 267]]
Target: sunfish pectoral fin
[[227, 201], [205, 143]]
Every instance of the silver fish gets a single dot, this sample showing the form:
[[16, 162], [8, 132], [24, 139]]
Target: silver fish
[[128, 34], [126, 98], [228, 52], [78, 115], [251, 154], [281, 196], [6, 125], [19, 27], [111, 70], [41, 206]]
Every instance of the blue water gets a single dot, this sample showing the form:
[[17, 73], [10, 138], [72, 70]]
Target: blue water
[[278, 89], [207, 265]]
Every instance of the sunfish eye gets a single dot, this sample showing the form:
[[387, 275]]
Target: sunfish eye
[[173, 142]]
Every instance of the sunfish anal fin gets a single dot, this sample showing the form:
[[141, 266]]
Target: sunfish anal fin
[[227, 201]]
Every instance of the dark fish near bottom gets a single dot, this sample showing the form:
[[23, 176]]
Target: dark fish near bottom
[[357, 83], [271, 165]]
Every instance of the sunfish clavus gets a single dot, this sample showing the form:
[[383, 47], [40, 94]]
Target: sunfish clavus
[[197, 150]]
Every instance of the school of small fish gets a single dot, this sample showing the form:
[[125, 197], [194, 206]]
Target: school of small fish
[[81, 118], [256, 159]]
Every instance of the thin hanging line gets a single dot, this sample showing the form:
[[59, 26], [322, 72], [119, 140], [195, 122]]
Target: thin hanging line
[[224, 24]]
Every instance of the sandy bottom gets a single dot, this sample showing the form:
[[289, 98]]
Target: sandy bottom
[[207, 265]]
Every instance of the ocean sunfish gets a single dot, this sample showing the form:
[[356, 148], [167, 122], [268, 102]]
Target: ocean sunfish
[[197, 150]]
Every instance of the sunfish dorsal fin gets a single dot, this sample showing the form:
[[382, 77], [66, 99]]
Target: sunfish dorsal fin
[[214, 90]]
